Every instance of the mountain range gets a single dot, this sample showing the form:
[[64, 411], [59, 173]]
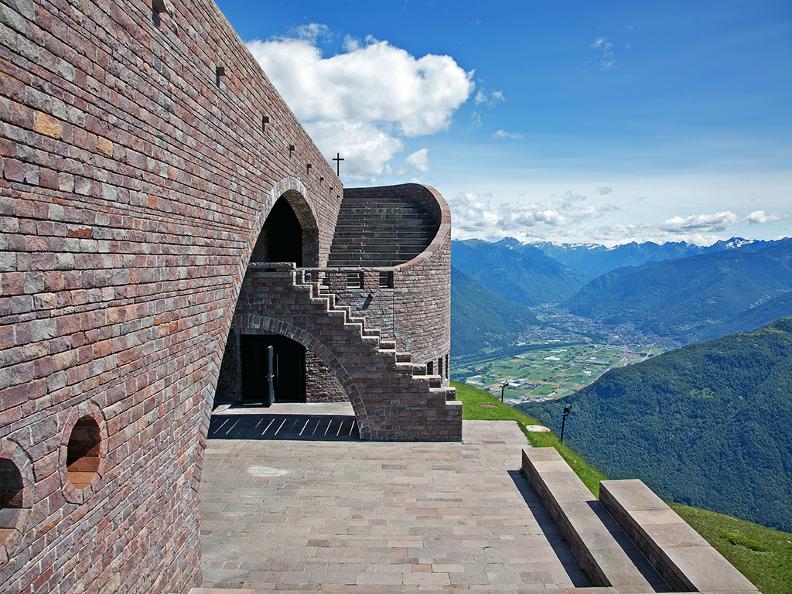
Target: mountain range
[[517, 272], [707, 424], [679, 291], [694, 298], [482, 319], [591, 260]]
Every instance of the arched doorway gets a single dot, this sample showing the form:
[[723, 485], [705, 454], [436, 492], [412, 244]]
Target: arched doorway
[[260, 369], [273, 369], [281, 237]]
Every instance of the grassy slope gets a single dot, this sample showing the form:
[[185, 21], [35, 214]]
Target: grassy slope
[[472, 399], [762, 554]]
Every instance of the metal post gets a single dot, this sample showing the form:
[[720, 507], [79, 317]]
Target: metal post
[[270, 397], [503, 387], [564, 415]]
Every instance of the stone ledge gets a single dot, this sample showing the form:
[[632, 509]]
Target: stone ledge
[[594, 538], [678, 553]]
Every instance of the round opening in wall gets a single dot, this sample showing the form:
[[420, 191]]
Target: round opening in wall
[[82, 455], [10, 499]]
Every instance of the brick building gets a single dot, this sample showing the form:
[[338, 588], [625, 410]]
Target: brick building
[[153, 183]]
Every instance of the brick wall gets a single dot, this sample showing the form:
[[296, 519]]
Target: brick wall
[[321, 385], [416, 313], [422, 305], [133, 189], [389, 401]]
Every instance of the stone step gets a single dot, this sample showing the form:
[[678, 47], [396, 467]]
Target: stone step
[[387, 344], [393, 211], [379, 246], [403, 357], [419, 368], [404, 367], [381, 231], [603, 550], [383, 220], [680, 555], [396, 231], [434, 381], [370, 240], [440, 393]]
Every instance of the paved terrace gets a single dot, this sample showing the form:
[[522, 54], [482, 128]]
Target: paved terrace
[[368, 516]]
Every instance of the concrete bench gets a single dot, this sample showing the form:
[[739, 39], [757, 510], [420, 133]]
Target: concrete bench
[[600, 546], [679, 554]]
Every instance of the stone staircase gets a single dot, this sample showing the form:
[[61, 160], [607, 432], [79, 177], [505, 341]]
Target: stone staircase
[[393, 397], [380, 229], [628, 539]]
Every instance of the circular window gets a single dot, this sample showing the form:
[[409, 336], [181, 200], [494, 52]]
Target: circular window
[[82, 452], [16, 496], [11, 504]]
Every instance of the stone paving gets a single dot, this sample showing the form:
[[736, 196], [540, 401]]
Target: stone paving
[[374, 516]]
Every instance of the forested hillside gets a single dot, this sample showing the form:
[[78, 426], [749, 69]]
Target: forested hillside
[[707, 424], [689, 298], [480, 318], [516, 272]]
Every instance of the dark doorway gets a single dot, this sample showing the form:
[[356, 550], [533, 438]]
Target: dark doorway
[[287, 371], [281, 237]]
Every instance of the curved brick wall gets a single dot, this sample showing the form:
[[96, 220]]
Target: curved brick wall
[[416, 312], [422, 304], [133, 190], [383, 226]]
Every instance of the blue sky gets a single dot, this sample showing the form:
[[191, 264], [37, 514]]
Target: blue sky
[[567, 121]]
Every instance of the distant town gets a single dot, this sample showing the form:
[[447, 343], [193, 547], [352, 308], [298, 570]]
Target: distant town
[[552, 360]]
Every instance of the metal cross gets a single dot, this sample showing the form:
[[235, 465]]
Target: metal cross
[[338, 160]]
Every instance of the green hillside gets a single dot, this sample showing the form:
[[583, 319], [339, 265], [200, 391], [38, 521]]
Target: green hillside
[[762, 554], [480, 318], [516, 272], [707, 425], [687, 299], [759, 315]]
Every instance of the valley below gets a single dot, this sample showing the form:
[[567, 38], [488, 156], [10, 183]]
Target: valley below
[[675, 359], [559, 355]]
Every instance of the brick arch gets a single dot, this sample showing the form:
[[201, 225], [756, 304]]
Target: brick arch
[[258, 324], [296, 194]]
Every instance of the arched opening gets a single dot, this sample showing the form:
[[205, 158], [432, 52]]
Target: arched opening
[[82, 454], [273, 369], [281, 238], [10, 498]]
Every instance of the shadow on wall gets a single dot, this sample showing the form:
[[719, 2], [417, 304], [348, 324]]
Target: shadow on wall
[[284, 427]]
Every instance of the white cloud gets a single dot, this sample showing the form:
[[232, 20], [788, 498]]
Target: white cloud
[[477, 215], [570, 218], [419, 160], [312, 32], [760, 216], [489, 99], [702, 223], [365, 148], [604, 53], [504, 135], [604, 190], [377, 91]]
